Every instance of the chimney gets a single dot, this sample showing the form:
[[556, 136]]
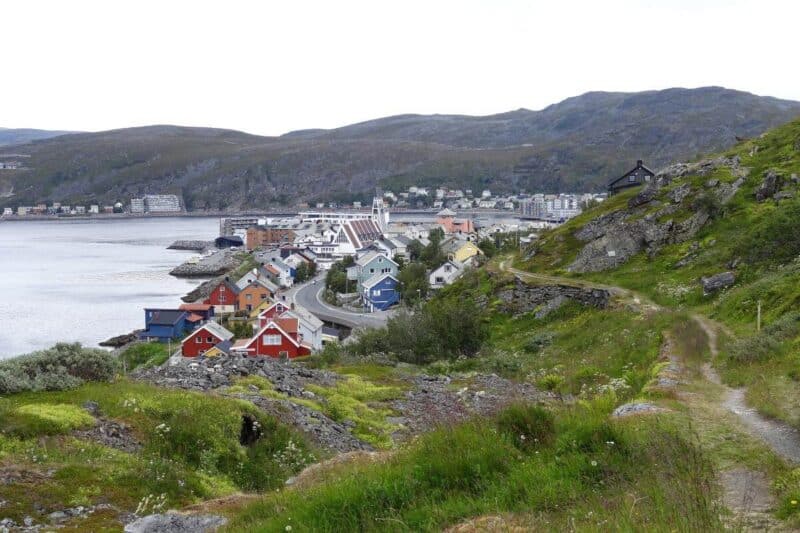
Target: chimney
[[639, 163]]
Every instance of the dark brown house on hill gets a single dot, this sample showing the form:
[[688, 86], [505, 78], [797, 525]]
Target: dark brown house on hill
[[639, 175]]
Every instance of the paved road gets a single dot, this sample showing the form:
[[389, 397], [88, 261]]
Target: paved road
[[310, 297]]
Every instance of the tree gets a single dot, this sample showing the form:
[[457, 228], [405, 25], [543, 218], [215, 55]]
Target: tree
[[336, 278], [414, 284], [488, 247], [414, 249], [301, 273]]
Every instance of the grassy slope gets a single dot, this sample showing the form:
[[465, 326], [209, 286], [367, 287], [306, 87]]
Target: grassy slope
[[190, 450], [734, 235]]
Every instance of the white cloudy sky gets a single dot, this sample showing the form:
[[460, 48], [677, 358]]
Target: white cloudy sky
[[269, 67]]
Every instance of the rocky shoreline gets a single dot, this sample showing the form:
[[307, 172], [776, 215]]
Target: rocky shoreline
[[191, 246], [216, 264]]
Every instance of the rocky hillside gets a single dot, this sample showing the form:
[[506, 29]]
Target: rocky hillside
[[577, 144]]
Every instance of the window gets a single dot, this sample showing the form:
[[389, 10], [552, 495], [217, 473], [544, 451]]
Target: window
[[632, 178], [371, 270], [376, 292], [222, 288], [271, 340], [198, 339], [210, 339], [439, 279]]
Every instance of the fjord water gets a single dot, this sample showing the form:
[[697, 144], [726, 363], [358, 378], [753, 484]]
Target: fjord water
[[88, 280]]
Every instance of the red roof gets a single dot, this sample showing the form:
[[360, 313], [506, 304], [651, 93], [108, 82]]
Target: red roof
[[289, 325], [273, 270], [195, 307]]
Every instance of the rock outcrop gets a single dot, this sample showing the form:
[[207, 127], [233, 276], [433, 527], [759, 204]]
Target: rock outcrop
[[288, 380], [770, 185], [648, 225], [524, 298], [712, 284], [173, 522]]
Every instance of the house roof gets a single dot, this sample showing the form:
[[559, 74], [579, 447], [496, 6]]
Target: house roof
[[195, 307], [215, 329], [455, 264], [377, 278], [224, 347], [332, 332], [166, 317], [288, 324], [194, 317], [230, 285], [446, 213], [273, 304], [367, 258], [639, 165], [304, 314], [261, 283]]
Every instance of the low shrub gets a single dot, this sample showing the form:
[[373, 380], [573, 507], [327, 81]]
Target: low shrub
[[760, 346], [64, 366], [528, 426], [538, 341]]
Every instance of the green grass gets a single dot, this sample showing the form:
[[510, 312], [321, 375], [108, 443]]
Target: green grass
[[144, 355], [586, 475], [46, 419], [190, 449]]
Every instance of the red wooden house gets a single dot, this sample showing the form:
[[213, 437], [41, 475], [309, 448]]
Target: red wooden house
[[272, 312], [224, 297], [278, 338], [203, 339]]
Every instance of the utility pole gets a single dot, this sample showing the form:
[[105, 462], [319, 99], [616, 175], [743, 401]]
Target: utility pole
[[758, 320]]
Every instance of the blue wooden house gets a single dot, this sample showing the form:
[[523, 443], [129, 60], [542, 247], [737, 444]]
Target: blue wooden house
[[380, 292], [164, 324]]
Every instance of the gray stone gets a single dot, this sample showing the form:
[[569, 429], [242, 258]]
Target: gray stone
[[717, 282], [644, 196], [770, 185], [783, 195], [679, 193], [636, 408], [57, 516], [524, 298], [172, 522], [713, 182]]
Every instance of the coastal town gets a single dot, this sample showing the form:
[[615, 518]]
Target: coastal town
[[350, 261]]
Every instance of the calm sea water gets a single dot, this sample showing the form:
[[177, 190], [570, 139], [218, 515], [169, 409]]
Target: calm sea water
[[88, 280]]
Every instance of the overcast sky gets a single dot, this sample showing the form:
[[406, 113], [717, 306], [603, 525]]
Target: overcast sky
[[270, 67]]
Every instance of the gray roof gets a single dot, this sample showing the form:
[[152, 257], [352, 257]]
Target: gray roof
[[217, 330]]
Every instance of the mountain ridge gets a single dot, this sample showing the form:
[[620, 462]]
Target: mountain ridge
[[576, 144]]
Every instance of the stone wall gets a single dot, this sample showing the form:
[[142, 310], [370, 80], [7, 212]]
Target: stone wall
[[524, 298]]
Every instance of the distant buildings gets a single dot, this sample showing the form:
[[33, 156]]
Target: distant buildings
[[155, 203]]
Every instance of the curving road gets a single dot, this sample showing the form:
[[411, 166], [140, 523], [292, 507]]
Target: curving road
[[310, 297]]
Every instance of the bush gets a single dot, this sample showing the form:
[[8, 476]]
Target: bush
[[768, 341], [528, 426], [538, 341], [65, 366], [443, 329]]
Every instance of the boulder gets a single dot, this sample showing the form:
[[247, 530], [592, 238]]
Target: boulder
[[717, 282], [173, 522], [636, 408], [679, 193], [644, 196], [770, 185]]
